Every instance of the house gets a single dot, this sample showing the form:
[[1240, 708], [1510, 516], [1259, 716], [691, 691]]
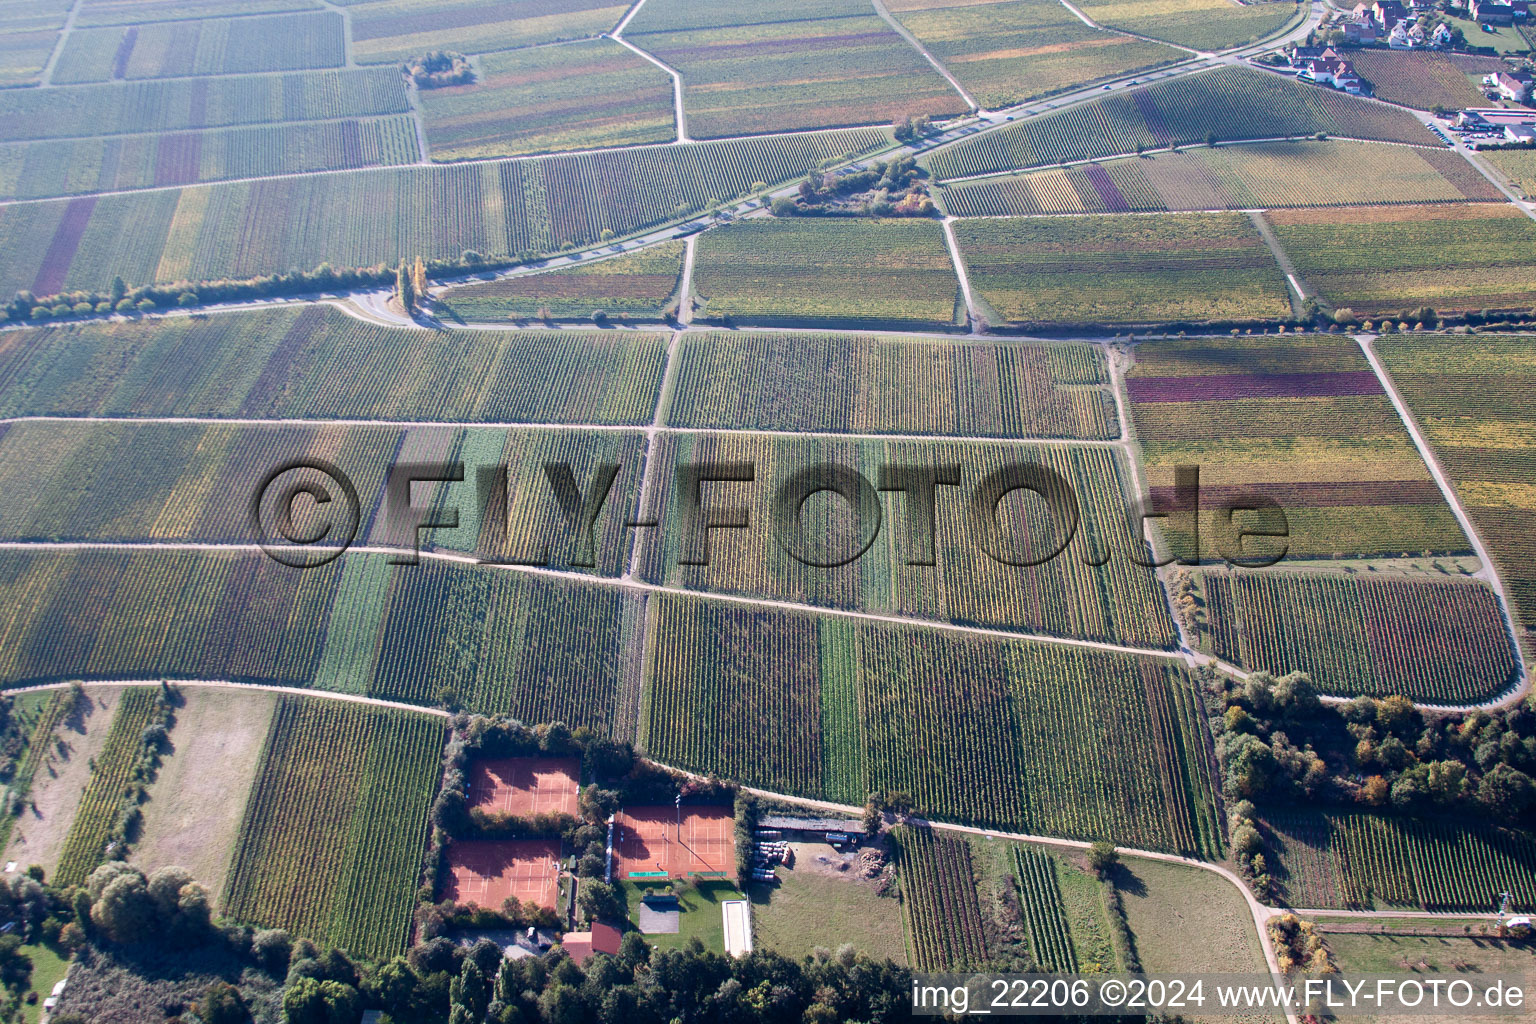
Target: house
[[1360, 30], [1305, 53], [1399, 39], [1520, 133], [1492, 12], [1338, 73], [1389, 12], [1442, 38], [1520, 9], [1514, 86], [603, 938]]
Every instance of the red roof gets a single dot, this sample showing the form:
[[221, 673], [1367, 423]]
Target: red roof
[[578, 945], [606, 938]]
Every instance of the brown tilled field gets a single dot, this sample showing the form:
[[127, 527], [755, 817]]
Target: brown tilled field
[[649, 839], [525, 785]]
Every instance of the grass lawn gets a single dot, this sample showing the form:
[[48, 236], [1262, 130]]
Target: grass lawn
[[47, 968], [701, 917], [1426, 955], [809, 909], [1503, 38]]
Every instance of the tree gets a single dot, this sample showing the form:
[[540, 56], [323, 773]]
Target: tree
[[222, 1004], [272, 948], [602, 902], [117, 290], [1507, 792], [125, 911], [419, 278], [309, 1001], [405, 289], [1102, 857]]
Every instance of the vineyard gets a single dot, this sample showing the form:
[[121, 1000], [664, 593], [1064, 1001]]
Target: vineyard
[[1370, 861], [848, 272], [1050, 937], [1301, 420], [320, 363], [34, 170], [1441, 643], [492, 641], [182, 104], [1425, 80], [1471, 397], [284, 42], [97, 813], [393, 30], [1519, 165], [1236, 177], [637, 285], [1227, 103], [863, 385], [1115, 270], [584, 95], [938, 890], [1092, 591], [119, 12], [977, 43], [336, 824], [1035, 737], [498, 209], [795, 73], [1201, 24], [1388, 260]]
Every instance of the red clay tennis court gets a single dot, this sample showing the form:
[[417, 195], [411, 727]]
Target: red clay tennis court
[[486, 871], [525, 785], [648, 840]]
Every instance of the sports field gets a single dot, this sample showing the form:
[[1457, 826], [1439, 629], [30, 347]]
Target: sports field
[[488, 872], [524, 786], [652, 842]]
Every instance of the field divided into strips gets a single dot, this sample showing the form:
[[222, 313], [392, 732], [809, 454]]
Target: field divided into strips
[[1021, 735], [1391, 259], [373, 217], [578, 96], [1472, 399], [230, 46], [939, 900], [96, 814], [1236, 177], [502, 642], [1425, 80], [1518, 165], [1116, 270], [28, 33], [1370, 861], [59, 167], [1198, 24], [1009, 51], [637, 285], [180, 104], [120, 12], [785, 65], [1441, 643], [845, 383], [392, 30], [335, 825], [1092, 591], [319, 363], [1301, 420], [833, 272], [1227, 103], [1050, 937]]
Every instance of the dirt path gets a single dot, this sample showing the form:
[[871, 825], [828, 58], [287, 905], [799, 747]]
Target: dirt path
[[45, 78], [972, 320], [913, 41]]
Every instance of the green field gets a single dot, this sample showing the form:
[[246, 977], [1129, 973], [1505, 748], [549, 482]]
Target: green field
[[283, 42], [832, 271], [1471, 397], [60, 167], [335, 827], [1438, 951], [1390, 260], [846, 383], [1375, 861], [372, 217], [701, 917], [177, 104], [1236, 177], [1519, 165], [393, 30], [1065, 916], [785, 65], [1300, 420], [1199, 24], [1117, 270], [1226, 103], [584, 95], [807, 908], [637, 285], [1008, 51], [1093, 590], [319, 363], [494, 641], [1034, 737], [97, 814]]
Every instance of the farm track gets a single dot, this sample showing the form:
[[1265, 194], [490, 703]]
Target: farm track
[[913, 41], [45, 79], [678, 112]]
